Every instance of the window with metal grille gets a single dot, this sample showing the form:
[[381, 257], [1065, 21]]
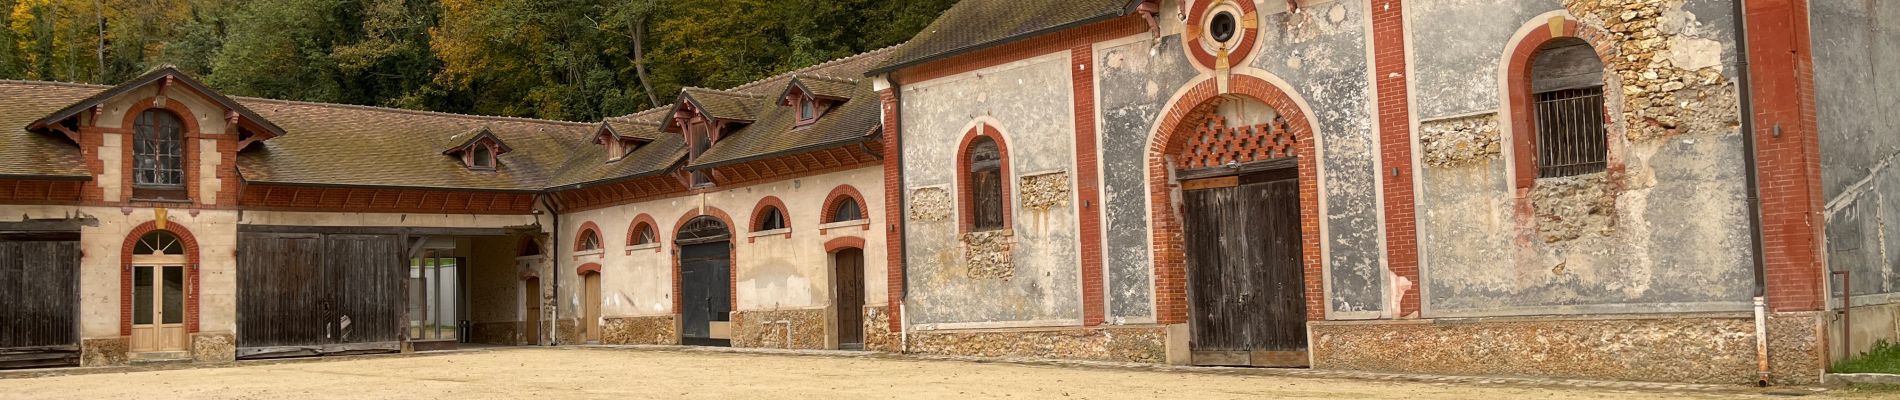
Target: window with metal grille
[[158, 151], [1567, 103], [986, 185]]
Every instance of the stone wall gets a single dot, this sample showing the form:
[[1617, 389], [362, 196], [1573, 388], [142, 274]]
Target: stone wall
[[640, 330], [802, 329], [1144, 344], [214, 347], [1460, 141], [570, 332], [1665, 348], [104, 352], [501, 333], [877, 331]]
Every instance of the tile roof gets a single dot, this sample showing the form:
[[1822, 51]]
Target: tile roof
[[975, 24], [731, 106], [825, 86], [775, 131], [39, 154]]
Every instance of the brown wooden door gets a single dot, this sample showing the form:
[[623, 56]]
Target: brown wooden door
[[39, 300], [590, 306], [318, 294], [532, 288], [850, 298], [1246, 287]]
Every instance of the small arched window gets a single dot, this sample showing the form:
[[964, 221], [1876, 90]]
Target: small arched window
[[158, 147], [483, 158], [589, 240], [770, 219], [642, 234], [846, 209], [1567, 96], [158, 243], [985, 177]]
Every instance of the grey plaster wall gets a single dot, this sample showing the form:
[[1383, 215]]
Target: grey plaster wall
[[1031, 103], [1856, 51], [1674, 236], [1321, 53], [1136, 80]]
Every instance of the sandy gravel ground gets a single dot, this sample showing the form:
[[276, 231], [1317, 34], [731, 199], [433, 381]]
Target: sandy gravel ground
[[645, 374]]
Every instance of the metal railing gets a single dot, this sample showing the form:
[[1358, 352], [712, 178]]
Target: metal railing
[[1570, 133]]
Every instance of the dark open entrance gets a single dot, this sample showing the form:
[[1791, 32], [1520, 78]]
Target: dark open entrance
[[39, 299], [1245, 283], [850, 295], [705, 296]]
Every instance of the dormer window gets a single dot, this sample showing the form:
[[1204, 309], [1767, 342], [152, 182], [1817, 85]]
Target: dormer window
[[481, 151], [483, 158]]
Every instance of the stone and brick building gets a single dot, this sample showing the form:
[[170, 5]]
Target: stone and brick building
[[1675, 190]]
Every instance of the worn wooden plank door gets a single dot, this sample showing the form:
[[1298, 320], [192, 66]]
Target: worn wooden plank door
[[850, 298], [706, 293], [311, 294], [367, 276], [39, 300], [1245, 282]]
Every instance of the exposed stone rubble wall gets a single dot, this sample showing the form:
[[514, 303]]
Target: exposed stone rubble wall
[[1669, 348], [1460, 141], [1574, 206], [104, 352], [214, 347], [1796, 351], [640, 330], [929, 204], [570, 331], [1045, 191], [1671, 76], [1131, 344], [987, 254], [780, 329], [501, 333], [877, 331]]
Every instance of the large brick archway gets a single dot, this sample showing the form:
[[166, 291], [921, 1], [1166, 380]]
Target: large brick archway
[[190, 244], [1172, 135]]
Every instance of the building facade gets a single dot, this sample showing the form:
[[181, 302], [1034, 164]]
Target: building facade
[[1675, 190]]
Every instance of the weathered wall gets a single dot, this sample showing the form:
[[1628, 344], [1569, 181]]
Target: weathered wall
[[1143, 344], [1135, 78], [1029, 101], [1667, 232], [1855, 50], [774, 271], [1665, 348]]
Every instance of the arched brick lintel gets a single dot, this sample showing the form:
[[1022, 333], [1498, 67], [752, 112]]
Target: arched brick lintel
[[185, 239]]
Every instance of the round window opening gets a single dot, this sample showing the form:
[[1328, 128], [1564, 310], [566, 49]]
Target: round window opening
[[1222, 27]]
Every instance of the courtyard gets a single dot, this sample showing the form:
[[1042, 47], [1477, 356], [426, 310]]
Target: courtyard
[[587, 373]]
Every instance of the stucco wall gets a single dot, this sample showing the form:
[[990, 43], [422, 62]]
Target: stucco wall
[[1135, 78], [1031, 103], [1855, 51], [1666, 233], [774, 272]]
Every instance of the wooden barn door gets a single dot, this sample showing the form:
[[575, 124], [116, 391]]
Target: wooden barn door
[[311, 294], [850, 298], [706, 294], [39, 300], [1245, 282]]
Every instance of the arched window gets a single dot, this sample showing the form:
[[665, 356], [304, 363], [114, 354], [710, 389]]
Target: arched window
[[158, 243], [589, 240], [642, 234], [158, 148], [770, 219], [846, 209], [702, 229], [1567, 109], [985, 177]]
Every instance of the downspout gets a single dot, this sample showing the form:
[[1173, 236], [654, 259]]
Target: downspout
[[554, 268], [1752, 172]]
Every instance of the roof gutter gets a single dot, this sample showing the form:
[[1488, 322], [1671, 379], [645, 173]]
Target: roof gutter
[[572, 186], [887, 69]]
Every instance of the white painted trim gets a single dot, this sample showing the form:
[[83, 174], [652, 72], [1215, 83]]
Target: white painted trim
[[1418, 162], [1390, 301], [648, 246], [1101, 183], [759, 234], [845, 224]]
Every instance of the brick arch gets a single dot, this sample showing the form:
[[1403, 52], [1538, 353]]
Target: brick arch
[[732, 253], [767, 203], [586, 227], [845, 191], [633, 229], [588, 268], [1517, 75], [186, 240], [844, 243], [966, 219], [1172, 136], [129, 125]]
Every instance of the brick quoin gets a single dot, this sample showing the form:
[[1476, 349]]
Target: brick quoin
[[1178, 125], [893, 211], [1087, 181], [1395, 148], [186, 240], [1782, 83]]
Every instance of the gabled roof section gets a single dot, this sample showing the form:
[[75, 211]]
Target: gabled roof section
[[818, 86], [973, 25], [477, 136], [157, 76], [776, 133], [719, 104], [25, 153], [643, 126]]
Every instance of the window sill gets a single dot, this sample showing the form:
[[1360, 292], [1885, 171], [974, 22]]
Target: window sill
[[594, 252], [754, 236], [655, 246], [826, 228]]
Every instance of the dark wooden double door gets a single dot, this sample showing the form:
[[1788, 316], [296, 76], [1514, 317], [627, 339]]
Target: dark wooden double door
[[1246, 288], [39, 299], [319, 294], [706, 294]]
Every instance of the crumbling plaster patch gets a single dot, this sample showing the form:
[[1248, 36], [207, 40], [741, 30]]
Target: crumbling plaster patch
[[104, 352], [1145, 344], [1574, 206], [802, 329], [213, 347], [639, 330], [929, 204], [1674, 349], [1670, 74], [988, 254], [877, 330], [1045, 191], [1460, 141]]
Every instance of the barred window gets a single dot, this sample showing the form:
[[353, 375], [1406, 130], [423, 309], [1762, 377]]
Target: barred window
[[158, 151], [986, 185], [1567, 95]]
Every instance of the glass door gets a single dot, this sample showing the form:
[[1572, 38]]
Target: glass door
[[158, 308], [435, 283]]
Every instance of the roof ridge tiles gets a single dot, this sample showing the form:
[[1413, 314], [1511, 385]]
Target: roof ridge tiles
[[415, 112], [834, 62], [56, 83]]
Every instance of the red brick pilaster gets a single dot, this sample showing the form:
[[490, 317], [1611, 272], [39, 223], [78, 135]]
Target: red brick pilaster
[[1087, 182], [1395, 149], [893, 211], [1787, 152]]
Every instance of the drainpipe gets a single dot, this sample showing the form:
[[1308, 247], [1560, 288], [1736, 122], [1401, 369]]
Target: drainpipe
[[903, 252], [554, 251], [1752, 180]]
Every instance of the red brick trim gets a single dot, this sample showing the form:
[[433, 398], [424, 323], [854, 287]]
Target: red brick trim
[[588, 227], [1241, 50], [1395, 149], [185, 239], [893, 211], [837, 195], [1176, 127], [1787, 153], [758, 215], [633, 230], [1088, 184], [848, 242], [190, 138], [588, 268], [387, 200], [1523, 122], [732, 253], [966, 218]]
